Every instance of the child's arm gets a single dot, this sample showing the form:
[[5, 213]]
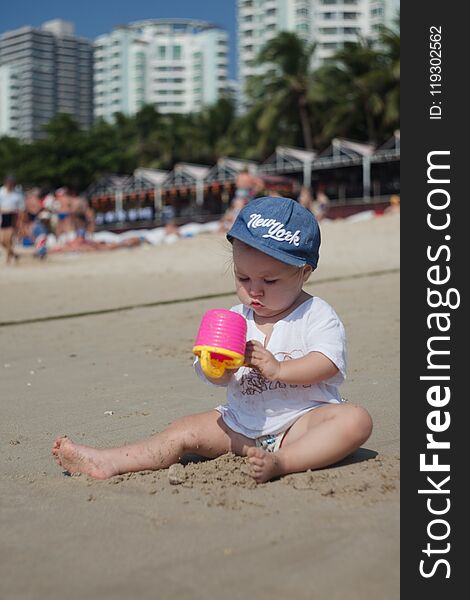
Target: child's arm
[[312, 368]]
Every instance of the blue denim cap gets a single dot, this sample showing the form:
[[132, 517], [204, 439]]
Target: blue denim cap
[[281, 228]]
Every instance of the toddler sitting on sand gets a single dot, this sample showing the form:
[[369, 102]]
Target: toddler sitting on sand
[[283, 411]]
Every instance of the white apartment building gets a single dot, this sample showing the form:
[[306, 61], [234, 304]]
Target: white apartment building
[[177, 65], [334, 22], [329, 23], [44, 71]]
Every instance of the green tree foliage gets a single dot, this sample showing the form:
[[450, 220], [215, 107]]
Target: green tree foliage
[[279, 95], [356, 94]]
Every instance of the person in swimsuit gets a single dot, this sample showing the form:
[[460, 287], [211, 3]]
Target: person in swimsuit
[[63, 210], [11, 209]]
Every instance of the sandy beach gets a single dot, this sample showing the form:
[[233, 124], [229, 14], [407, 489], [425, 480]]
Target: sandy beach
[[98, 347]]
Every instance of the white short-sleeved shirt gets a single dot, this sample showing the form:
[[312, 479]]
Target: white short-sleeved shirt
[[11, 201], [256, 406]]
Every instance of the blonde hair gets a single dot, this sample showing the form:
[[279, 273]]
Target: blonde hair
[[242, 244]]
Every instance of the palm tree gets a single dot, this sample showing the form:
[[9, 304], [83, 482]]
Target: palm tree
[[59, 153], [358, 89], [10, 156], [390, 42], [349, 84], [213, 125], [281, 92], [243, 137], [147, 124]]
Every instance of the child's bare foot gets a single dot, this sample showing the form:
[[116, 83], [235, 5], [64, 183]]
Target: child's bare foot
[[265, 465], [81, 459]]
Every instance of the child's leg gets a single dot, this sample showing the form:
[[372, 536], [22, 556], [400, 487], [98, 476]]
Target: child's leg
[[205, 434], [319, 438]]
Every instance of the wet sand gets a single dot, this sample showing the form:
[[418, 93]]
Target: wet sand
[[106, 378]]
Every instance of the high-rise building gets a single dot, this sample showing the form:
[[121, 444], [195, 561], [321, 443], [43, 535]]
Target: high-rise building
[[334, 22], [44, 71], [329, 23], [177, 65], [119, 73]]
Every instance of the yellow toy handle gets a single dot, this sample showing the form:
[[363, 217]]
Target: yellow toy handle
[[211, 367]]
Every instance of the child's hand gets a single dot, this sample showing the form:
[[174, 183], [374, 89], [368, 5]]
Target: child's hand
[[258, 357]]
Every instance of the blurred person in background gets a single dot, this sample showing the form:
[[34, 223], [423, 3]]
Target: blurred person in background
[[231, 214], [41, 228], [63, 210], [305, 198], [168, 218], [11, 210], [32, 207], [321, 203], [394, 206], [247, 185], [83, 216]]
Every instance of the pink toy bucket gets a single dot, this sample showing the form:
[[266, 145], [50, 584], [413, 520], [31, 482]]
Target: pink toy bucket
[[220, 342]]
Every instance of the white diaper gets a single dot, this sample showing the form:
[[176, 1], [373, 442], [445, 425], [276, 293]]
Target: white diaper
[[270, 442]]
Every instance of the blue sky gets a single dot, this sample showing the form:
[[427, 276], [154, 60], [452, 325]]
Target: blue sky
[[94, 17]]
